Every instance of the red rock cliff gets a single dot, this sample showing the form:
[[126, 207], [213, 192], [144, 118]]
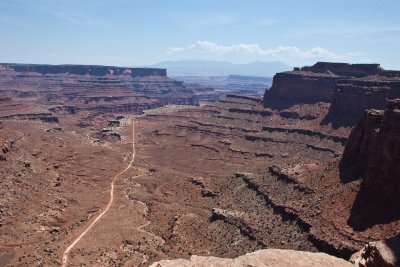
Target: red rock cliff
[[313, 84], [373, 153], [352, 96], [289, 88], [383, 170]]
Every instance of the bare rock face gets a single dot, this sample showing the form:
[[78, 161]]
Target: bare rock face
[[360, 146], [373, 153], [89, 88], [379, 254], [266, 258], [289, 88], [383, 170], [313, 84], [352, 96], [350, 88]]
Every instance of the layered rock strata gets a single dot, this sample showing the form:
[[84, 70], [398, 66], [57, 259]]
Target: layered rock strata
[[74, 88], [313, 84], [290, 88], [350, 88], [352, 96]]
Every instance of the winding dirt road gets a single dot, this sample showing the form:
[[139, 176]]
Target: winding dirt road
[[64, 262]]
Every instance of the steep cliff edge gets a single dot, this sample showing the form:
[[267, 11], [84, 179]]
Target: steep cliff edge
[[373, 153], [350, 88], [313, 84], [290, 88], [352, 96], [360, 145]]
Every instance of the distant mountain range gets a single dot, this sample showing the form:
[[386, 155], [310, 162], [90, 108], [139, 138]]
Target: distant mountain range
[[221, 68]]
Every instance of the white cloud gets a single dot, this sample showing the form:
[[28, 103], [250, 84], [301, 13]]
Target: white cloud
[[279, 52]]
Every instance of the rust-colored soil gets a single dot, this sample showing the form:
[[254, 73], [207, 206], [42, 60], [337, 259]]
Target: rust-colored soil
[[222, 180]]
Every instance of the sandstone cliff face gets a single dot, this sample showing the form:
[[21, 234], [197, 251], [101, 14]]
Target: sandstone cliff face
[[93, 70], [266, 257], [361, 144], [289, 88], [350, 88], [373, 153], [383, 171], [352, 96], [313, 84]]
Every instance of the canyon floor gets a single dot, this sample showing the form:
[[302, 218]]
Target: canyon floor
[[223, 179]]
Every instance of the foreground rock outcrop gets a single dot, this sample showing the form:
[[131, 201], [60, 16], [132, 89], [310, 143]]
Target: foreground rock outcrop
[[266, 258], [373, 154]]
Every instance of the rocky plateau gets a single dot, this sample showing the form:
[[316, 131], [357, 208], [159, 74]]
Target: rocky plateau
[[283, 180]]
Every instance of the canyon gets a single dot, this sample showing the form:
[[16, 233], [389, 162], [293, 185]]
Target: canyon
[[300, 173]]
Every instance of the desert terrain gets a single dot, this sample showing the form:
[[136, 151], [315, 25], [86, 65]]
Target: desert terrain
[[107, 166]]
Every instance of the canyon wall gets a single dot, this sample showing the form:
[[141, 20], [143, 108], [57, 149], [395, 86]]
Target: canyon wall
[[383, 171], [313, 84], [94, 70], [360, 145], [289, 88], [352, 96], [100, 89], [350, 88], [373, 154]]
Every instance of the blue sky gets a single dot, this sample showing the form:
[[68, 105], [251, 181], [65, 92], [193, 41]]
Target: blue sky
[[137, 32]]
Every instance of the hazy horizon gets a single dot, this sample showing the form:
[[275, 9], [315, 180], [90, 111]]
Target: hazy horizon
[[133, 33]]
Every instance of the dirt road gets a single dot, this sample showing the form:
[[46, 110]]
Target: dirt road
[[64, 262]]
